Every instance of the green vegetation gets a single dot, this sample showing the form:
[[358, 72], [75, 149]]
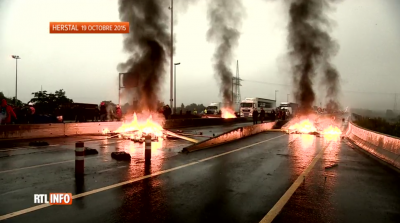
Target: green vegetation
[[47, 103], [191, 107], [379, 125], [10, 101], [44, 98]]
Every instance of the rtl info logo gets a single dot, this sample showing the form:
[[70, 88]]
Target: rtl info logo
[[53, 199]]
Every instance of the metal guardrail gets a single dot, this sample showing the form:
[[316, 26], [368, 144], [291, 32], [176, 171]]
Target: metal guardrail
[[384, 147]]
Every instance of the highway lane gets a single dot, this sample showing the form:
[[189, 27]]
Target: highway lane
[[95, 180], [345, 186], [235, 183], [24, 169], [60, 149]]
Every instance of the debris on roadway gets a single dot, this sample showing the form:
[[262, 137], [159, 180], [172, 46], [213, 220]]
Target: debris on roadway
[[310, 125], [332, 166], [121, 156], [90, 151]]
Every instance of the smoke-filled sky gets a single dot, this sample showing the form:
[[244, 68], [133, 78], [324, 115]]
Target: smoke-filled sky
[[85, 65]]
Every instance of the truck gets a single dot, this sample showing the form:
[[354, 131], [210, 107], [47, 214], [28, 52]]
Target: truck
[[248, 105], [290, 106], [215, 107]]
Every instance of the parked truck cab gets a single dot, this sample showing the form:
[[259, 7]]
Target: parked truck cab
[[214, 108]]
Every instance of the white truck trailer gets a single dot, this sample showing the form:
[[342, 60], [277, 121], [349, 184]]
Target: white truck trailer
[[248, 105]]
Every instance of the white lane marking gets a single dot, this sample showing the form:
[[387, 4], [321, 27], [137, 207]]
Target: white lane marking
[[34, 208], [47, 164], [102, 171], [276, 209]]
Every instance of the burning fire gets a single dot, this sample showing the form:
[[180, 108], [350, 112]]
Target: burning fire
[[227, 113], [318, 126], [332, 130], [305, 126], [136, 129]]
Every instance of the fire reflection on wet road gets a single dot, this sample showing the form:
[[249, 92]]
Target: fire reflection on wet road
[[241, 186]]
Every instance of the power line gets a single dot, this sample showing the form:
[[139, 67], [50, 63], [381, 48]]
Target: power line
[[261, 82], [346, 91], [367, 92]]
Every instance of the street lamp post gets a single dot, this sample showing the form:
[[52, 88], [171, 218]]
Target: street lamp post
[[275, 95], [175, 87], [16, 76], [172, 48], [288, 98]]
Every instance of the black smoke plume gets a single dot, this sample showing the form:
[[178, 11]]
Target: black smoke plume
[[311, 50], [148, 44], [225, 18]]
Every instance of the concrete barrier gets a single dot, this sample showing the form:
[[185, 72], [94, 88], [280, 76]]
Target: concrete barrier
[[384, 147], [230, 136], [31, 131], [90, 128]]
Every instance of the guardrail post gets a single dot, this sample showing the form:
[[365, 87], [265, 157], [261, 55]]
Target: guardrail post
[[147, 148], [79, 158]]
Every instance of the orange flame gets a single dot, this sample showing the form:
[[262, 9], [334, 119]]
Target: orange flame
[[304, 126], [227, 113], [137, 128], [105, 131], [148, 127], [332, 130]]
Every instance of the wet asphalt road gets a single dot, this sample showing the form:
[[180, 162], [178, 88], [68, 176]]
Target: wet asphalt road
[[241, 186]]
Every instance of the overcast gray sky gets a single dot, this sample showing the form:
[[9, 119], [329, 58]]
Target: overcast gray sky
[[85, 65]]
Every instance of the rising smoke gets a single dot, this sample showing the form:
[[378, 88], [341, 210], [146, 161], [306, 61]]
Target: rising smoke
[[311, 51], [148, 44], [225, 18]]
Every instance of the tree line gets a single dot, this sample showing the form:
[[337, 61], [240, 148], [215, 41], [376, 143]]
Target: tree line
[[379, 125], [50, 101]]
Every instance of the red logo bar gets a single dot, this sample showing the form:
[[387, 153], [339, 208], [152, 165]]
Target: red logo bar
[[89, 27], [60, 198]]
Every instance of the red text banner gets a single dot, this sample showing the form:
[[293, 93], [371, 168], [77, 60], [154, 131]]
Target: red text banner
[[89, 27]]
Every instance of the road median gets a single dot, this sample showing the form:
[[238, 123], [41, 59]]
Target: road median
[[235, 134]]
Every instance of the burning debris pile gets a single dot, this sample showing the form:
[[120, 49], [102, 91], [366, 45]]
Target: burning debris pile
[[225, 18], [137, 129], [313, 126], [148, 45], [227, 113], [140, 127], [302, 127], [311, 50]]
